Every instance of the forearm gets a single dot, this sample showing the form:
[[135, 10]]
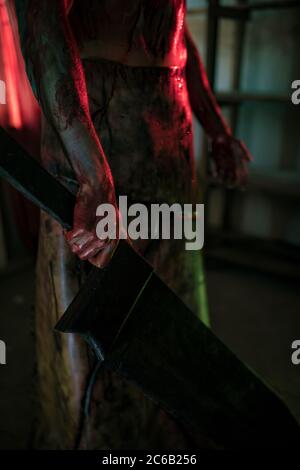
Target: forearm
[[203, 102], [54, 64]]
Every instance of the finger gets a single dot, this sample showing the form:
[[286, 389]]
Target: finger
[[230, 177], [102, 259], [220, 174], [91, 249], [245, 154], [232, 180], [213, 169], [79, 242], [244, 178], [241, 176], [69, 235]]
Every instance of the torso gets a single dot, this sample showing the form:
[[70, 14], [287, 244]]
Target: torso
[[138, 100], [126, 32]]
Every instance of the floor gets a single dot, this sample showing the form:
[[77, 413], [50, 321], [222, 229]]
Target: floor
[[256, 315], [16, 329]]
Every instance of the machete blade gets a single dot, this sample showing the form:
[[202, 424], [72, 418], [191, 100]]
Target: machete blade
[[147, 334], [143, 331]]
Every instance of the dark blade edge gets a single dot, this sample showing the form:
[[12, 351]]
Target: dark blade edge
[[219, 366], [15, 178], [34, 199], [34, 182], [17, 166], [103, 320]]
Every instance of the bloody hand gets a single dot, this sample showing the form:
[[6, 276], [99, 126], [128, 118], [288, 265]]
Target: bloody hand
[[231, 158], [83, 239]]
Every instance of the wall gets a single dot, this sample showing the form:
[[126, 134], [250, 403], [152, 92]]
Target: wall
[[270, 129]]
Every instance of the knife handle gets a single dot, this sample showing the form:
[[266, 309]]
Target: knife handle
[[35, 183]]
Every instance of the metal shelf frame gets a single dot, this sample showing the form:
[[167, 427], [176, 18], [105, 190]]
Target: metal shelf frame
[[241, 13]]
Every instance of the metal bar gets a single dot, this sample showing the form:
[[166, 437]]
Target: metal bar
[[197, 11], [243, 12], [229, 195], [211, 48], [275, 5], [235, 98], [212, 40], [234, 13]]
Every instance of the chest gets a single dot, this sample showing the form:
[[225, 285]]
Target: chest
[[154, 19]]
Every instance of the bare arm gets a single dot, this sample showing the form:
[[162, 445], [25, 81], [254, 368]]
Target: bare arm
[[229, 154], [203, 102], [55, 71]]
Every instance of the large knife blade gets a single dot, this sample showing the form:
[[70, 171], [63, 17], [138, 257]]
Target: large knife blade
[[143, 331]]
